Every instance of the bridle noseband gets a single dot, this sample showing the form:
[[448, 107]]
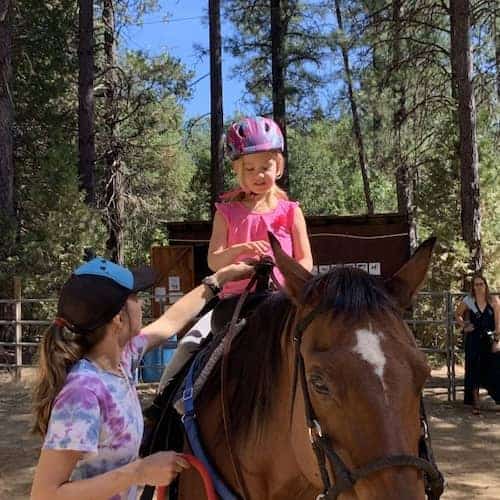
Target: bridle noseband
[[344, 478]]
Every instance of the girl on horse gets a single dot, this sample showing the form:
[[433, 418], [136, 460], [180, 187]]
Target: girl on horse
[[242, 221], [85, 401]]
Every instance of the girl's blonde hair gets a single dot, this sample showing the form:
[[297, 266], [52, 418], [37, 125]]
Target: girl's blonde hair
[[59, 350], [240, 194]]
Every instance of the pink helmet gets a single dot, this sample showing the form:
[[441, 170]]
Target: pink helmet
[[252, 135]]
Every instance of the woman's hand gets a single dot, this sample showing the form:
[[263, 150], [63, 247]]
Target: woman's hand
[[468, 327], [178, 315], [161, 468], [234, 272]]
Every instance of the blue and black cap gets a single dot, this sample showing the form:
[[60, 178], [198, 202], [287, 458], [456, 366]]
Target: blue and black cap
[[96, 292]]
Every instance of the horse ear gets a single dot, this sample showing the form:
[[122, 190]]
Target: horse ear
[[295, 275], [405, 283]]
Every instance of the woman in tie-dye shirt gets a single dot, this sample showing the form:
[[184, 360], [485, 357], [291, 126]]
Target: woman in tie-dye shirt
[[85, 401]]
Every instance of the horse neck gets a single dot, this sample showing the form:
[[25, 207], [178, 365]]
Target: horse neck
[[266, 452], [287, 474]]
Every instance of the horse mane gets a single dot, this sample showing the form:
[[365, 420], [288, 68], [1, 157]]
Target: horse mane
[[256, 356], [348, 290], [254, 364]]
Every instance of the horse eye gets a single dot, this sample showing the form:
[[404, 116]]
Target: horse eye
[[319, 385]]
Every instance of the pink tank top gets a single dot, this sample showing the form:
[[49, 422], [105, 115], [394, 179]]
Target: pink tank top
[[244, 225]]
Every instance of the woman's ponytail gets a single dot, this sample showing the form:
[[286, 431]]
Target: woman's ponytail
[[57, 354]]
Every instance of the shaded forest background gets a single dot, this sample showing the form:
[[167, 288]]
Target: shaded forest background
[[388, 107]]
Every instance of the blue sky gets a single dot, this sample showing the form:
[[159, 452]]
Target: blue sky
[[186, 28]]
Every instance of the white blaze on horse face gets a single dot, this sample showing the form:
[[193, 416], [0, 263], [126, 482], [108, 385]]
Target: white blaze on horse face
[[369, 348]]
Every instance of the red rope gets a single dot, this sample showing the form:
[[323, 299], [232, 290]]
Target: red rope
[[207, 480]]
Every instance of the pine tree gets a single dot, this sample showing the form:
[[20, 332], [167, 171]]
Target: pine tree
[[356, 124], [114, 181], [469, 162], [216, 112], [86, 134], [6, 114]]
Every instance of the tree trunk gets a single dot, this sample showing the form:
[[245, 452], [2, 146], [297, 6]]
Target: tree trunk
[[355, 117], [453, 61], [114, 208], [376, 114], [216, 111], [469, 164], [374, 10], [86, 146], [496, 38], [6, 113], [404, 172], [278, 31]]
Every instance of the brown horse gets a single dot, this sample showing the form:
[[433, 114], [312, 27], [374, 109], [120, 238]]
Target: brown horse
[[355, 382]]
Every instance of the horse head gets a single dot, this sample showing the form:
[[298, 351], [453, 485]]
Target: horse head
[[358, 378]]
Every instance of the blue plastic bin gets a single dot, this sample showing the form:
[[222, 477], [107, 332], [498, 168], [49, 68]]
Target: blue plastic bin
[[154, 362]]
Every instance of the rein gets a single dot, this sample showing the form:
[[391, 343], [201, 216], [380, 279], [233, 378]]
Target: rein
[[344, 478], [202, 471], [226, 416], [263, 270]]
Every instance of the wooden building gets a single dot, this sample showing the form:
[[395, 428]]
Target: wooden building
[[379, 244]]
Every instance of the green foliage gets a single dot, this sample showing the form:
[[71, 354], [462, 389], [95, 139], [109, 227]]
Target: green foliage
[[407, 114], [325, 182], [53, 224], [159, 181], [56, 227], [304, 50], [198, 147], [488, 143], [157, 168]]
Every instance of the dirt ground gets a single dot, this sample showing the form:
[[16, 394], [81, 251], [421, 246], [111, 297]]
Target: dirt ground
[[467, 447]]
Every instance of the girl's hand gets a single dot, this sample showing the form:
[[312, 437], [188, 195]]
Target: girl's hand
[[257, 248], [161, 468]]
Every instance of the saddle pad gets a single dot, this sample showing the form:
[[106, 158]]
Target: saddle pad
[[211, 352], [204, 362]]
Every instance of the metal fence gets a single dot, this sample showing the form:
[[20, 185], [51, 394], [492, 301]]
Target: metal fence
[[21, 330]]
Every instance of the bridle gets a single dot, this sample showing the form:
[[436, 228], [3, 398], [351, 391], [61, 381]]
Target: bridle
[[345, 479]]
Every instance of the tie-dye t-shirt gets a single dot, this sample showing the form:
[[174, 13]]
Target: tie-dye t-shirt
[[99, 413]]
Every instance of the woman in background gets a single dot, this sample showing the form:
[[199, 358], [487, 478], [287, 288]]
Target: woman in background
[[478, 314]]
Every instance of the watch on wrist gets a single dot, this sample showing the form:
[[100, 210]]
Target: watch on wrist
[[212, 283]]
